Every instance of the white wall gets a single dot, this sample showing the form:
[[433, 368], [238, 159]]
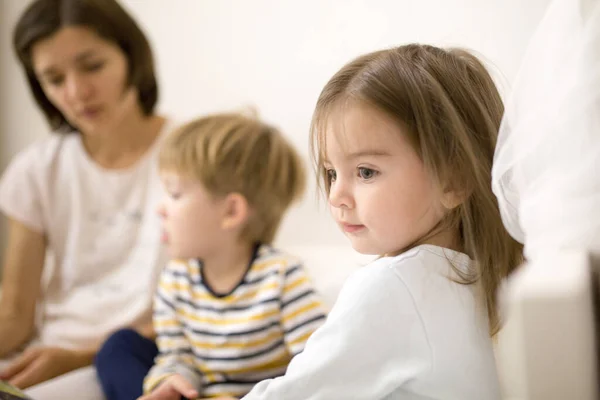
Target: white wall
[[277, 55], [20, 122]]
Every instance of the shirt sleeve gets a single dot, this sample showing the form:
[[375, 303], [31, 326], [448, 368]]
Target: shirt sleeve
[[302, 309], [20, 191], [175, 354], [372, 342]]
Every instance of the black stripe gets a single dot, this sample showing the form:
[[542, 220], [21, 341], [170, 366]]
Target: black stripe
[[262, 352], [306, 293], [187, 277], [176, 352], [164, 300], [300, 325], [260, 278], [172, 335], [245, 281], [292, 270], [225, 309]]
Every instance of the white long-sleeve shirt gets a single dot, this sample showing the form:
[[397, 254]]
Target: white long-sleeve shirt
[[401, 329]]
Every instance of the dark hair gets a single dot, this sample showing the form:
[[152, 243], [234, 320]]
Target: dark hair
[[108, 19], [450, 109]]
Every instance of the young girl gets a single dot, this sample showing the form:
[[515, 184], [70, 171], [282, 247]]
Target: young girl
[[403, 140]]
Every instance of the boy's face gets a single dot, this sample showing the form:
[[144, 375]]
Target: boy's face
[[192, 217]]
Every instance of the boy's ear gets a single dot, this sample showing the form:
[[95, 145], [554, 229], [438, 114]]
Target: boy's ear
[[237, 211]]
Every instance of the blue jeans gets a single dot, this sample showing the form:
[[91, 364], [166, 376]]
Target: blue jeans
[[122, 364]]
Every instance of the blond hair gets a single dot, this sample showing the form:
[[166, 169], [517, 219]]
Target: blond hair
[[232, 153], [450, 109]]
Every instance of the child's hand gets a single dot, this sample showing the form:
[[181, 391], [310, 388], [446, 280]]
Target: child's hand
[[172, 388], [221, 398]]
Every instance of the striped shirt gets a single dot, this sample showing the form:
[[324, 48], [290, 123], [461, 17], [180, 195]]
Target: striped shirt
[[224, 345]]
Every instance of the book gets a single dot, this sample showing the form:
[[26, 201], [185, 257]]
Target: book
[[9, 392]]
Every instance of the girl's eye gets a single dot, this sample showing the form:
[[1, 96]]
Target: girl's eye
[[331, 175], [367, 173]]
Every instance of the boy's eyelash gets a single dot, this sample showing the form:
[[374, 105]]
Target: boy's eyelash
[[367, 173], [330, 174]]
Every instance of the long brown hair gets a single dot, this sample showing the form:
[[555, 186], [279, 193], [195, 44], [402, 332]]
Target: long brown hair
[[43, 18], [450, 108]]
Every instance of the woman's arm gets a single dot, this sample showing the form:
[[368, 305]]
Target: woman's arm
[[21, 280]]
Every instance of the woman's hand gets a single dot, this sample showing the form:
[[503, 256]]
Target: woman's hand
[[37, 365], [15, 332]]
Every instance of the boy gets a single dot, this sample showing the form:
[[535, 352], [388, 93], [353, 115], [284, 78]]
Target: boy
[[230, 310]]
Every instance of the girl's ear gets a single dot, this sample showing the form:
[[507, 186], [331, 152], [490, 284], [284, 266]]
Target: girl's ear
[[452, 198]]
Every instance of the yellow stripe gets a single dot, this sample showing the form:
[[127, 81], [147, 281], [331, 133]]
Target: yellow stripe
[[186, 358], [229, 321], [280, 362], [309, 307], [152, 382], [302, 339], [303, 280], [218, 395], [278, 262], [212, 377], [169, 343], [170, 323], [180, 262]]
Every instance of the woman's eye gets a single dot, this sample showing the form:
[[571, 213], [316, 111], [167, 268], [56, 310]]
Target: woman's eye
[[94, 67], [55, 80]]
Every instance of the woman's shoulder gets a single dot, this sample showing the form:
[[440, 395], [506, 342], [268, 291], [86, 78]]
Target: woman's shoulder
[[43, 152]]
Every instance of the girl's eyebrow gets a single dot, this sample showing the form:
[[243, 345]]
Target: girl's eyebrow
[[370, 153], [363, 153]]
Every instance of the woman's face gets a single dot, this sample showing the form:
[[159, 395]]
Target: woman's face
[[85, 77]]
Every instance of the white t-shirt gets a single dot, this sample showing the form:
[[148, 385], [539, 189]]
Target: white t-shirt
[[103, 232], [400, 330]]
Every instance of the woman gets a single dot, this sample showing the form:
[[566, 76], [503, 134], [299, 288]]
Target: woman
[[83, 199]]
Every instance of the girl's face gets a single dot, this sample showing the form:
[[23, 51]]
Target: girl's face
[[381, 194], [85, 77]]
